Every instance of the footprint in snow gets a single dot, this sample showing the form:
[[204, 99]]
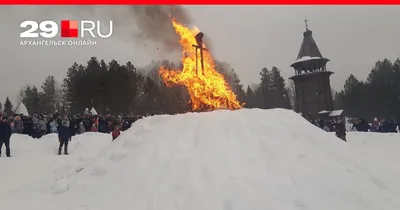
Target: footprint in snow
[[117, 156], [377, 182], [99, 171]]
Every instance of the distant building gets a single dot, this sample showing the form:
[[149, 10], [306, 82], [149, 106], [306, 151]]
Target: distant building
[[311, 79]]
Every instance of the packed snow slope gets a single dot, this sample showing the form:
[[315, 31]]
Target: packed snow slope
[[223, 160], [227, 160], [35, 173]]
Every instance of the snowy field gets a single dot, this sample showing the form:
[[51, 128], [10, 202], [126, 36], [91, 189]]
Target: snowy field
[[222, 160]]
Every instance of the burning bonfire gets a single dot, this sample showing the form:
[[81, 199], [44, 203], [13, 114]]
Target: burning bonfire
[[207, 88]]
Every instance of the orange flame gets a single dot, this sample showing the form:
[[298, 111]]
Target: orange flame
[[207, 92]]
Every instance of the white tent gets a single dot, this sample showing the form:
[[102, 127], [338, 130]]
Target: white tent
[[21, 109], [336, 113], [93, 111], [323, 112]]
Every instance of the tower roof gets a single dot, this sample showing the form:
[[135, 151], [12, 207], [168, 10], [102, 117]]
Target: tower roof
[[309, 56], [308, 47]]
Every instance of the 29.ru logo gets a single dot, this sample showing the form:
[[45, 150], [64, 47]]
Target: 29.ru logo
[[69, 29]]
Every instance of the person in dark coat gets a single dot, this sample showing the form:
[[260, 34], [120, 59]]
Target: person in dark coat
[[87, 122], [330, 125], [102, 125], [64, 136], [392, 125], [362, 126], [74, 125], [321, 123], [385, 127], [126, 125], [5, 135], [340, 130]]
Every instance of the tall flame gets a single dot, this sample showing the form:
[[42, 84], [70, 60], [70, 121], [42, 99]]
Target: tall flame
[[207, 92]]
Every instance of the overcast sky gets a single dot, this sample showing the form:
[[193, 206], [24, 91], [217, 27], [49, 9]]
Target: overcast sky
[[246, 37]]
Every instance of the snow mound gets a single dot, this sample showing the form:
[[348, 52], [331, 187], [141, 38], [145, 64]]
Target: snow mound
[[228, 160], [35, 172]]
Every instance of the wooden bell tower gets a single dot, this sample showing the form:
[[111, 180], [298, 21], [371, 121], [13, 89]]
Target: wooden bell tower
[[311, 79]]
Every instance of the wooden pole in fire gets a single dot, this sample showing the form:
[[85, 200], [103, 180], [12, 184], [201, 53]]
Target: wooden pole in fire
[[199, 46], [201, 60], [197, 64]]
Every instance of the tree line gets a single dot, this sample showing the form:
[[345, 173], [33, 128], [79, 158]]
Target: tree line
[[377, 96], [124, 88]]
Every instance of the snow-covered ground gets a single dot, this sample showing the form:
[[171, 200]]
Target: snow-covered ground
[[35, 172], [222, 160]]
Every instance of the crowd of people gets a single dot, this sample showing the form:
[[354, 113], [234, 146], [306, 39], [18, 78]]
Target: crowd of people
[[65, 126], [383, 125], [340, 126], [360, 124]]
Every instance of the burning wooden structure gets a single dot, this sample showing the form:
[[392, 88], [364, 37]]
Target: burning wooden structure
[[199, 47], [207, 92]]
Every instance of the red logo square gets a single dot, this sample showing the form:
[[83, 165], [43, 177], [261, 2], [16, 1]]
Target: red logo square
[[69, 28]]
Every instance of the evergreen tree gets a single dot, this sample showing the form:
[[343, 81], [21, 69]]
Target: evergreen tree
[[354, 96], [250, 98], [237, 87], [1, 107], [8, 107], [70, 85], [151, 103], [92, 85], [338, 98], [32, 100], [383, 91], [263, 91], [278, 91], [48, 96]]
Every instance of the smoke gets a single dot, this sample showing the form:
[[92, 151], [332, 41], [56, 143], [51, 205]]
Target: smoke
[[154, 23]]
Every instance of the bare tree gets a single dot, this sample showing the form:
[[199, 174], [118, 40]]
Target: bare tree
[[292, 93], [59, 97], [254, 87]]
